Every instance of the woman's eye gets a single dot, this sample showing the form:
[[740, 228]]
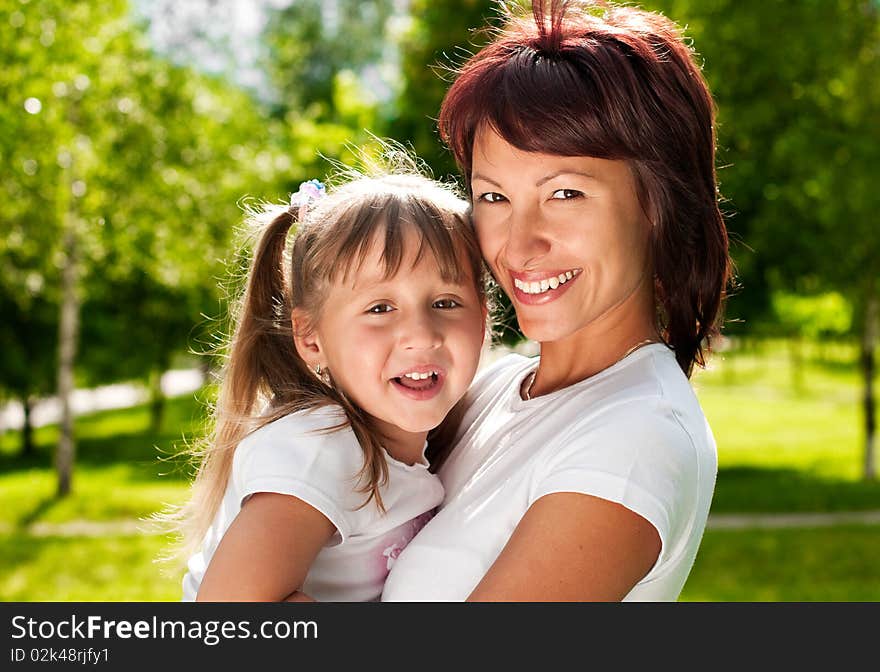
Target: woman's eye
[[566, 194], [446, 304], [380, 308], [491, 197]]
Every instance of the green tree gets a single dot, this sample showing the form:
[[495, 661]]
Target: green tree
[[311, 43], [439, 37], [126, 176], [799, 128]]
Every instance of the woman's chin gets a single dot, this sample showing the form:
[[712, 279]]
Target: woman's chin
[[544, 331]]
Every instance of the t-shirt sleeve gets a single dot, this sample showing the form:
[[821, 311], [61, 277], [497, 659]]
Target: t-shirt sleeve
[[639, 456], [318, 468]]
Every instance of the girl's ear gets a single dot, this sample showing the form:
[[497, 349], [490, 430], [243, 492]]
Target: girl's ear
[[306, 340]]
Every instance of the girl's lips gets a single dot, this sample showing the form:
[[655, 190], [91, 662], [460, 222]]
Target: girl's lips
[[422, 368], [420, 394], [541, 299]]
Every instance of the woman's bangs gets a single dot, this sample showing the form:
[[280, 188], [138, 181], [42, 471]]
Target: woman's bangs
[[543, 104]]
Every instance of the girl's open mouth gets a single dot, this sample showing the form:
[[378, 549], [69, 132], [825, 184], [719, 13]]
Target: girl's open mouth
[[419, 386]]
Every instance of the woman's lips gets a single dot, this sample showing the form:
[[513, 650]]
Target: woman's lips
[[544, 297]]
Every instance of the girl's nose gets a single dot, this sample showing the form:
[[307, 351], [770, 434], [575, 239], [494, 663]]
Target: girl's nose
[[420, 332]]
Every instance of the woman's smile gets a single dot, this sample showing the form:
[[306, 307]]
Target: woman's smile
[[540, 288]]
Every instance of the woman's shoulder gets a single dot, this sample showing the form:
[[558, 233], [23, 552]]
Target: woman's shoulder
[[646, 405]]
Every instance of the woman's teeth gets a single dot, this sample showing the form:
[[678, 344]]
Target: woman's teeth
[[545, 285]]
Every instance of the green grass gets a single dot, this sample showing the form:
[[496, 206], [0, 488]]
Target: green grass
[[122, 471], [82, 569], [100, 493], [836, 564], [786, 442]]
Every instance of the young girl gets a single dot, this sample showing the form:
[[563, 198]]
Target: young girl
[[350, 346]]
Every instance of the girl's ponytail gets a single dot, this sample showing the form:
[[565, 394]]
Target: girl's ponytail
[[256, 376], [262, 352]]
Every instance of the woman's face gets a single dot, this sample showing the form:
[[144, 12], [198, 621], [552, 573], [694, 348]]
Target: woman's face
[[565, 237]]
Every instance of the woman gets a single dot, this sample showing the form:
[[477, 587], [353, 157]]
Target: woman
[[585, 135]]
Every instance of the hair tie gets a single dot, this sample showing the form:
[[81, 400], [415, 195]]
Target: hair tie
[[312, 190]]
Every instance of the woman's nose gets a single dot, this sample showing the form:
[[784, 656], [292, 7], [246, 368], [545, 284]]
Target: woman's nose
[[526, 242]]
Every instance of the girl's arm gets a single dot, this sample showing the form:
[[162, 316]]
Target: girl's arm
[[266, 551], [571, 547]]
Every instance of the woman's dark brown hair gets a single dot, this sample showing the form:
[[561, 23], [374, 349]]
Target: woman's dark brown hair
[[613, 82]]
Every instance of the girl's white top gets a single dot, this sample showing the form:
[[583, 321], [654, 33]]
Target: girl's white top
[[633, 434], [292, 456]]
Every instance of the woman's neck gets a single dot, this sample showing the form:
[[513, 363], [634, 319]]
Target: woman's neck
[[596, 346]]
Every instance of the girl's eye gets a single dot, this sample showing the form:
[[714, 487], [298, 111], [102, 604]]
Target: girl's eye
[[566, 194], [380, 308], [446, 304], [491, 197]]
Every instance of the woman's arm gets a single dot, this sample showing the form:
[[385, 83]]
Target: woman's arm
[[571, 547], [267, 550]]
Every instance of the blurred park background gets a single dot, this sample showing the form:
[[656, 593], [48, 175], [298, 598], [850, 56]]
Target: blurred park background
[[133, 133]]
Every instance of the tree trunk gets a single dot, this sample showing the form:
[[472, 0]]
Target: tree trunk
[[157, 401], [872, 315], [796, 363], [27, 429], [67, 332]]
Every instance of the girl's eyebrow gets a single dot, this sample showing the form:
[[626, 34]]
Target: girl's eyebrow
[[541, 181], [374, 284]]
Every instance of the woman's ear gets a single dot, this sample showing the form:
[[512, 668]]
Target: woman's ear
[[306, 339]]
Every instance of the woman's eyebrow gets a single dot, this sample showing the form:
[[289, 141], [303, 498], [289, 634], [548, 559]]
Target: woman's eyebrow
[[478, 176], [560, 173], [541, 181]]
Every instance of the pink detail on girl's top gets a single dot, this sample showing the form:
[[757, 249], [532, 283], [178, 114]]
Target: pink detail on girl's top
[[400, 537]]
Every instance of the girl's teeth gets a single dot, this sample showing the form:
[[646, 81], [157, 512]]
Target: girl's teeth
[[419, 376]]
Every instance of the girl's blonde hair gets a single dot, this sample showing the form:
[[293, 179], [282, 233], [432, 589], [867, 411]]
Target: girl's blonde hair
[[264, 378]]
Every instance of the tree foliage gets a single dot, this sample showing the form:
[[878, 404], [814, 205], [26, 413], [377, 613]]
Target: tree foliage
[[437, 38]]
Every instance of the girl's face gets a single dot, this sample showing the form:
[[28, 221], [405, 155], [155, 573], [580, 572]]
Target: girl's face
[[405, 348], [565, 237]]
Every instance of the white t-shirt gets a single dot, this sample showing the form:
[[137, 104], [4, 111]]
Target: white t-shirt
[[633, 434], [292, 457]]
